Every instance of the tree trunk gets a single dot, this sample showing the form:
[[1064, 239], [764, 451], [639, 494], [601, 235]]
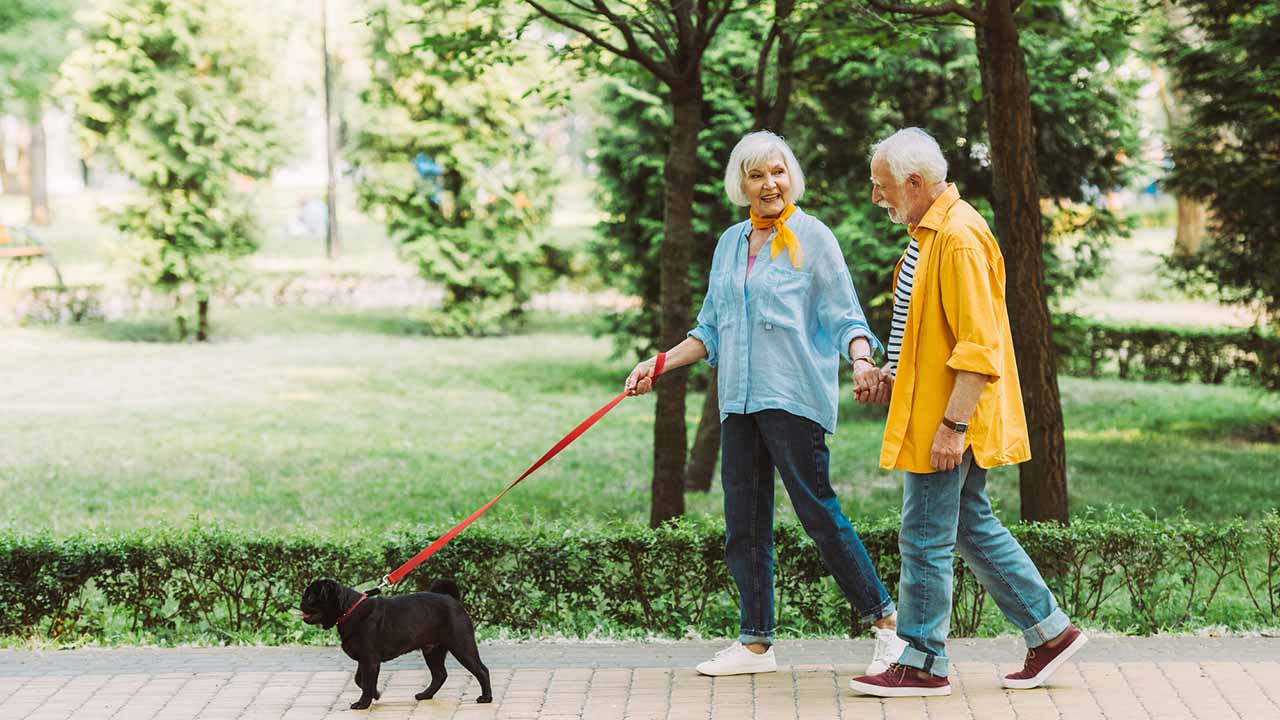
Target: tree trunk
[[202, 320], [670, 435], [1192, 216], [1192, 213], [769, 115], [1015, 200], [39, 171], [24, 165], [706, 442], [8, 175], [331, 142]]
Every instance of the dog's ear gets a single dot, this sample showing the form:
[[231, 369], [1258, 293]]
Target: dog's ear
[[330, 601], [329, 592]]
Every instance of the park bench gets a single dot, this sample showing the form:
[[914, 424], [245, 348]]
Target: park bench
[[19, 247]]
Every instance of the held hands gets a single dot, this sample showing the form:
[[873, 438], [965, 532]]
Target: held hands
[[872, 384], [947, 449], [640, 381]]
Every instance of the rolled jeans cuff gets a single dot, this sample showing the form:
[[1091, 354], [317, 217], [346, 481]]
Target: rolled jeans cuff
[[932, 664], [885, 610], [748, 637], [1047, 629]]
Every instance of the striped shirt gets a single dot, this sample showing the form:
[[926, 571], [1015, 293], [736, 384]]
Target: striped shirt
[[901, 301]]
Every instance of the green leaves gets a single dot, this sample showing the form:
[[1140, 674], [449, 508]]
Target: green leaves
[[169, 91], [34, 39], [1226, 63], [1122, 571], [1154, 353], [451, 154]]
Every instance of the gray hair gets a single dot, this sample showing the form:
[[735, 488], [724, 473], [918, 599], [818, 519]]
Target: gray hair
[[912, 150], [753, 150]]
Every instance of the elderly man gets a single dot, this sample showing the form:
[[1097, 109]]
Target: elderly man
[[955, 410]]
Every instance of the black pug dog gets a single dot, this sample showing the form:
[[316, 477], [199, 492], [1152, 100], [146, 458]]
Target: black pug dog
[[377, 629]]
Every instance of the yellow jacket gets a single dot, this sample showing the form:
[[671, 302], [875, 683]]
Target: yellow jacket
[[957, 320]]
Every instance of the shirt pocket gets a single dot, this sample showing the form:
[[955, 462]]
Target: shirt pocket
[[787, 303]]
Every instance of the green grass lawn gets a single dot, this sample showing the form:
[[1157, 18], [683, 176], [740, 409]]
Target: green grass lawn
[[348, 422]]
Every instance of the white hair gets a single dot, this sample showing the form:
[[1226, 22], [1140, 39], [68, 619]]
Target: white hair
[[753, 150], [912, 150]]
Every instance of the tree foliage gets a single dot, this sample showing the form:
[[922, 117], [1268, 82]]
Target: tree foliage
[[1226, 62], [854, 86], [33, 43], [450, 156], [176, 94]]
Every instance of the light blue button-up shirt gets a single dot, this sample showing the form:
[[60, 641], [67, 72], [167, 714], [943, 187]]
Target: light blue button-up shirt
[[778, 337]]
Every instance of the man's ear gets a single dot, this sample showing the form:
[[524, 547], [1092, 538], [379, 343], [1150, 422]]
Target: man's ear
[[915, 180]]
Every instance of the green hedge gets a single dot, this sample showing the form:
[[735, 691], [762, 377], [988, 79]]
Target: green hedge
[[1128, 573], [1146, 352]]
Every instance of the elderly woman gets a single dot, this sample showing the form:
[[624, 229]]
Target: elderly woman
[[779, 314]]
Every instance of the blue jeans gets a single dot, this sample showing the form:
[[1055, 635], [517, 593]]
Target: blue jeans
[[752, 445], [949, 510]]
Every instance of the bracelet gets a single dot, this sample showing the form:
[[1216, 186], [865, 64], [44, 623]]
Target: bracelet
[[870, 361]]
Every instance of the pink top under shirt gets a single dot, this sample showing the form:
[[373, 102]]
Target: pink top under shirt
[[751, 260]]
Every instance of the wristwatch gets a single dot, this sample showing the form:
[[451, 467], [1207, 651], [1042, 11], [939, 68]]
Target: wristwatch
[[955, 426]]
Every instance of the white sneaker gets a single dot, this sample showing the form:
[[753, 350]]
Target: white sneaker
[[737, 659], [889, 648]]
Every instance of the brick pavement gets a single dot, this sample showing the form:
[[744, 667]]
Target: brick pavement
[[1115, 678]]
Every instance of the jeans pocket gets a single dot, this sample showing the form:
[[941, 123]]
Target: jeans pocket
[[788, 301]]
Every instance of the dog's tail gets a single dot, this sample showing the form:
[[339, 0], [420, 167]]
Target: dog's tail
[[446, 587]]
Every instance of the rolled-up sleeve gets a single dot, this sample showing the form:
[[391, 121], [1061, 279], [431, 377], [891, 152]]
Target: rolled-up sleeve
[[706, 332], [968, 299], [839, 311]]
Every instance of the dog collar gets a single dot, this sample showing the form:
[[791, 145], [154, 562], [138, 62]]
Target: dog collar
[[352, 609]]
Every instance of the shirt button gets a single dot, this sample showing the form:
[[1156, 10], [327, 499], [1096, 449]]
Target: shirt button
[[768, 326]]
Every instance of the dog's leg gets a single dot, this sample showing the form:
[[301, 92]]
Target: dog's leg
[[468, 654], [360, 684], [367, 680], [435, 663]]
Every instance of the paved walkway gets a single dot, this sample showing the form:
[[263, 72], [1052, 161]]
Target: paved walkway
[[1120, 678]]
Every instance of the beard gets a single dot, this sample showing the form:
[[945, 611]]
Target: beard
[[894, 215]]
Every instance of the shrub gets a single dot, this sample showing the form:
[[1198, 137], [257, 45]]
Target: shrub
[[1147, 352], [1125, 572]]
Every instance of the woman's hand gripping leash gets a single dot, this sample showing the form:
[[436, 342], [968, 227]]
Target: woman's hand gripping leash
[[640, 381]]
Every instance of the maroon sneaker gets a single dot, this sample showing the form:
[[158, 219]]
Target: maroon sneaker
[[901, 681], [1043, 661]]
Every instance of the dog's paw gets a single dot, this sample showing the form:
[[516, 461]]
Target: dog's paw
[[485, 699], [377, 695], [360, 704], [424, 696]]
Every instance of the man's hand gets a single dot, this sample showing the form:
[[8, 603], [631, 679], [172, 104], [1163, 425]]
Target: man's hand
[[866, 378], [948, 448], [883, 392]]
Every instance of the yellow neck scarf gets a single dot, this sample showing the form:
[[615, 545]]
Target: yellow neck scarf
[[782, 236]]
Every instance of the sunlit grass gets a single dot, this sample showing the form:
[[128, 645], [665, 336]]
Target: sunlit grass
[[341, 420]]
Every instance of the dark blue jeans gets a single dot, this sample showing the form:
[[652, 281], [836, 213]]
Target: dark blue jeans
[[751, 446]]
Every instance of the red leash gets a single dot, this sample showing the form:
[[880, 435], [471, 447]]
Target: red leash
[[416, 560], [352, 609]]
